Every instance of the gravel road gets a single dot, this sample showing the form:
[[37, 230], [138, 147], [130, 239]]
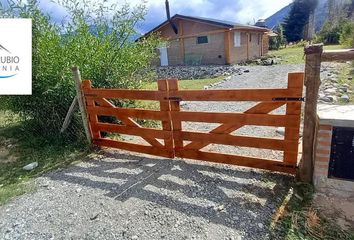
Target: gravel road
[[121, 195]]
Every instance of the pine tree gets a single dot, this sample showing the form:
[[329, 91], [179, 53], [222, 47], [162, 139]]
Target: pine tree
[[298, 18]]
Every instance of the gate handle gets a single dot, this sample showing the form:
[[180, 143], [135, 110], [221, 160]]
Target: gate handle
[[177, 99]]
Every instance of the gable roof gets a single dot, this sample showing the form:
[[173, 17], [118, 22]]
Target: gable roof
[[216, 22]]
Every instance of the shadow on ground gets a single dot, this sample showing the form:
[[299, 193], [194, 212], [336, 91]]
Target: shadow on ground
[[236, 198]]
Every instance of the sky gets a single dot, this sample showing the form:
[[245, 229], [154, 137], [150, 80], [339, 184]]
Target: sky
[[241, 11]]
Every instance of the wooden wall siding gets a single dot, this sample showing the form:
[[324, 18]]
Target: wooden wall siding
[[183, 45], [209, 52], [173, 134]]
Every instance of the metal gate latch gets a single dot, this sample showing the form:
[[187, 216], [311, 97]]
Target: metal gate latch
[[290, 99]]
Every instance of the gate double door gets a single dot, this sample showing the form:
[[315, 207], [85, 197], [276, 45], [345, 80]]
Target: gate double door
[[172, 140]]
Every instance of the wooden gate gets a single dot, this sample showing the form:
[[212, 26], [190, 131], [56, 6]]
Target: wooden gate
[[170, 140]]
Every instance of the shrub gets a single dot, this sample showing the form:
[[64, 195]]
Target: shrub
[[347, 34], [98, 39]]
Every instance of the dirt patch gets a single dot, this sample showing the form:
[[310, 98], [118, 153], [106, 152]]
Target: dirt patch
[[6, 156], [341, 210]]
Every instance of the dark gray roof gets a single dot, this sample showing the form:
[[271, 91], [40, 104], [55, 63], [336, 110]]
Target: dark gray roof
[[216, 22]]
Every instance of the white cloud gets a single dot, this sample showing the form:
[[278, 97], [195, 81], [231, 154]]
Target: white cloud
[[242, 11]]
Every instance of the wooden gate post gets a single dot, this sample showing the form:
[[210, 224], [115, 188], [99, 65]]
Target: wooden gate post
[[81, 101], [165, 107], [312, 83]]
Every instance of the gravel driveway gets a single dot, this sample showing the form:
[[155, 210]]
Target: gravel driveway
[[121, 195]]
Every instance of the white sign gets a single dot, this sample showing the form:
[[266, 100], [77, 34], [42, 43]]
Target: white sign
[[15, 56]]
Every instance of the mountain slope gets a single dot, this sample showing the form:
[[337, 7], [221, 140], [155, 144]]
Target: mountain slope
[[278, 17], [320, 15]]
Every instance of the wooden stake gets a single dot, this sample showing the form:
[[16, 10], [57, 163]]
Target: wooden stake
[[81, 101], [312, 83], [69, 115]]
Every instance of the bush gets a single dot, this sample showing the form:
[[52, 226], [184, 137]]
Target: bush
[[98, 39], [347, 35], [329, 34], [276, 42]]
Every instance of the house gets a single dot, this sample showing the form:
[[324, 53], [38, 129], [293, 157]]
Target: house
[[209, 41]]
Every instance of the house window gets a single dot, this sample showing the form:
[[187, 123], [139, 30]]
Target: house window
[[202, 39], [237, 39], [250, 37]]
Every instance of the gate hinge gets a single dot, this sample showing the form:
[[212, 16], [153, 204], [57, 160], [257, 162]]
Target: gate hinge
[[289, 99], [178, 99]]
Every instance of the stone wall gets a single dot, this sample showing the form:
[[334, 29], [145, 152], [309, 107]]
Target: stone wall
[[197, 72]]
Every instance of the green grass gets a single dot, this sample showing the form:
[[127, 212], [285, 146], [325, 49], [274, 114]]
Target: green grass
[[25, 146], [297, 220], [346, 71], [295, 55]]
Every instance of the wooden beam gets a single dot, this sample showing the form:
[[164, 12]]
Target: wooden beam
[[257, 95], [244, 118], [82, 104], [312, 83], [181, 41], [248, 45], [166, 108], [69, 115], [252, 162], [338, 55], [227, 47], [125, 94]]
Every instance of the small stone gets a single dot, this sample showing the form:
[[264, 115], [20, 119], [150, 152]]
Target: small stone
[[332, 98], [206, 87], [30, 166], [330, 90], [344, 89], [219, 208], [134, 237], [260, 225], [350, 78], [94, 216], [344, 98], [246, 71], [325, 99], [78, 190], [280, 130]]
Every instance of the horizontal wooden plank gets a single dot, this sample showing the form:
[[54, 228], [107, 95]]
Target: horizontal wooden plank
[[136, 131], [242, 141], [129, 112], [125, 94], [234, 94], [252, 162], [240, 118], [338, 55], [163, 152]]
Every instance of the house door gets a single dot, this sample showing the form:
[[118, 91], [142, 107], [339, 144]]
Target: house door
[[163, 56]]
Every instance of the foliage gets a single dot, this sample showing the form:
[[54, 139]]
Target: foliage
[[347, 34], [297, 19], [329, 34], [19, 146], [296, 219], [339, 24], [276, 42], [98, 38]]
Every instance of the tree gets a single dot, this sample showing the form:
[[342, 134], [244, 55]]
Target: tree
[[298, 18], [276, 42], [339, 23], [98, 38]]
